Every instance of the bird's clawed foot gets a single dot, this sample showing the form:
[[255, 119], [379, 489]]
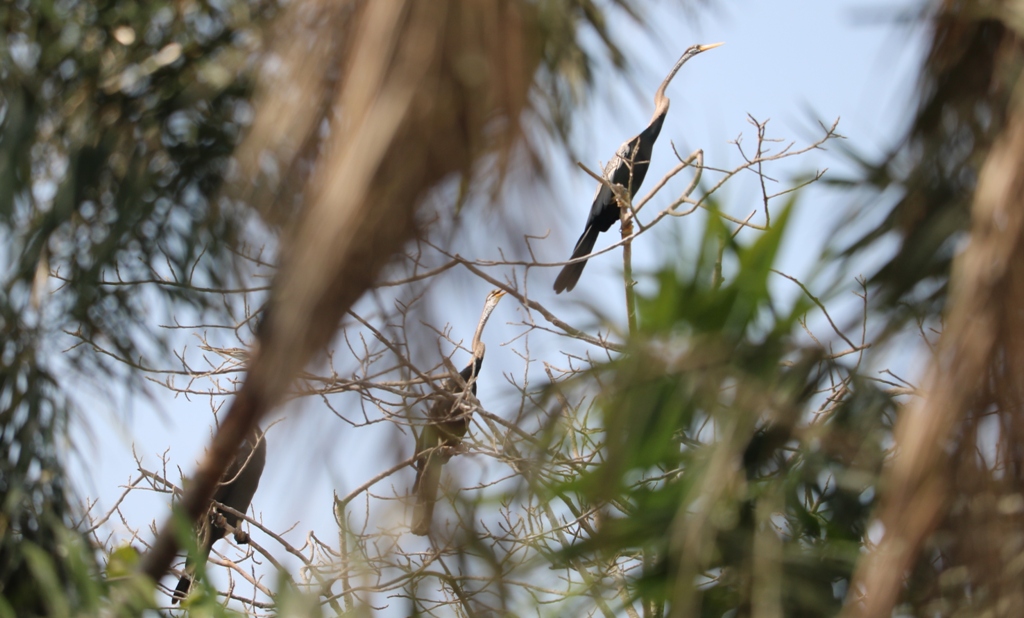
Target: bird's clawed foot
[[452, 450]]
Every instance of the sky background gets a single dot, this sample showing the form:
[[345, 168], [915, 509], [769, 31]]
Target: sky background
[[792, 62]]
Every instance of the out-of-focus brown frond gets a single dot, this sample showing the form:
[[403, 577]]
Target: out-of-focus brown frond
[[950, 491], [302, 115], [298, 81], [966, 83], [425, 91]]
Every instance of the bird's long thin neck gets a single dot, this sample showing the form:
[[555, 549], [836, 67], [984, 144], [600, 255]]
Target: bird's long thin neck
[[661, 102], [475, 345], [489, 306]]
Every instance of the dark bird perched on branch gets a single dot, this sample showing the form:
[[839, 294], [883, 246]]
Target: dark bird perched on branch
[[236, 489], [627, 168], [448, 420]]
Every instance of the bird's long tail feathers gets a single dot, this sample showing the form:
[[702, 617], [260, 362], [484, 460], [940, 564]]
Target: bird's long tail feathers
[[428, 478], [181, 591], [570, 274], [185, 583]]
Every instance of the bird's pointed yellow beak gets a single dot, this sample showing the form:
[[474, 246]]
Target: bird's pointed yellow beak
[[495, 296], [704, 48]]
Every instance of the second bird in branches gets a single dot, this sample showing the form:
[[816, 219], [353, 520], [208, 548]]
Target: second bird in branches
[[448, 421], [627, 168]]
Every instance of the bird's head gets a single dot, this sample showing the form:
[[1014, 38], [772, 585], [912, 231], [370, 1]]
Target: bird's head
[[660, 100], [492, 301], [489, 304], [693, 50]]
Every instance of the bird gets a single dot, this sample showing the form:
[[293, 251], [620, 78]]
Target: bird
[[448, 421], [634, 153], [236, 489]]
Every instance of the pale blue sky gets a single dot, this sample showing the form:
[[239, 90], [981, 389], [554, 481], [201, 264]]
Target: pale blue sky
[[791, 61]]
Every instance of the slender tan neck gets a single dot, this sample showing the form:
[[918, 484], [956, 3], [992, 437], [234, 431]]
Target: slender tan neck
[[661, 101], [492, 302], [660, 107], [479, 333], [478, 350]]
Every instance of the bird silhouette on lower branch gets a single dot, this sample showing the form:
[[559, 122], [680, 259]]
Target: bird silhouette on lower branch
[[236, 489]]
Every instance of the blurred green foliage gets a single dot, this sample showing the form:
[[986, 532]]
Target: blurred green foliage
[[922, 190], [117, 121], [740, 460], [117, 124]]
